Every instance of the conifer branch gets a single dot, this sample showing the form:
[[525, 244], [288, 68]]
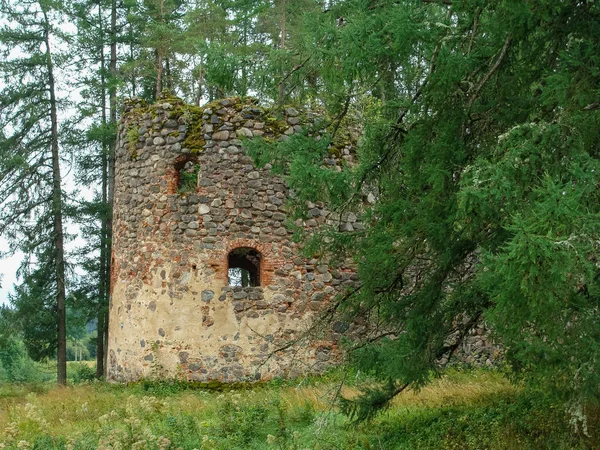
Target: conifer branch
[[439, 2], [399, 130], [374, 339], [491, 71], [340, 117], [419, 91], [474, 30], [294, 70], [372, 401], [450, 349]]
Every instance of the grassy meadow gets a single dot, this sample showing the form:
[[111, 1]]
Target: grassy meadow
[[462, 410]]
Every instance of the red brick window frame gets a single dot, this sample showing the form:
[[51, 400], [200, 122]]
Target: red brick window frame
[[219, 260], [243, 267]]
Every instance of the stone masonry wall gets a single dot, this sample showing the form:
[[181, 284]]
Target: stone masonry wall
[[172, 312]]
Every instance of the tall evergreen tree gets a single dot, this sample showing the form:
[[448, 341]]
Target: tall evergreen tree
[[286, 69], [96, 43], [30, 164], [205, 26], [156, 32]]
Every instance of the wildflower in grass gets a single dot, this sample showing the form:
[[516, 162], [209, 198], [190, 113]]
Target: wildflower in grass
[[163, 443], [33, 413], [207, 442], [11, 431], [108, 417], [134, 422], [271, 439], [112, 441], [151, 405]]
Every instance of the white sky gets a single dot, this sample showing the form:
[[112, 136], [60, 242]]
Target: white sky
[[8, 267]]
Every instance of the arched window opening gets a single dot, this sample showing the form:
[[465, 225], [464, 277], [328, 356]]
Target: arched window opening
[[244, 267]]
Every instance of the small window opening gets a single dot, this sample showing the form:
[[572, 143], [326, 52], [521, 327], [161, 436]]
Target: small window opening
[[244, 267], [187, 176]]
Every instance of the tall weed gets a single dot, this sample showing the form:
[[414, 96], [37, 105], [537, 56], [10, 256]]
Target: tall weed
[[462, 410]]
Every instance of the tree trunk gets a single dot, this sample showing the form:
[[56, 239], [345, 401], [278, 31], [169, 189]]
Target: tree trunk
[[103, 281], [244, 86], [200, 83], [159, 57], [112, 93], [59, 253], [167, 84], [159, 72], [281, 47], [131, 52]]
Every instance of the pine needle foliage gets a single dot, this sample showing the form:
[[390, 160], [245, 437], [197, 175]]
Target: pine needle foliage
[[480, 146]]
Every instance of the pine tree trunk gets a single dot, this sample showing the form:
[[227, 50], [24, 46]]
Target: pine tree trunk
[[244, 86], [159, 72], [112, 93], [159, 58], [59, 253], [282, 46], [100, 344], [200, 83], [167, 83], [131, 53], [103, 280]]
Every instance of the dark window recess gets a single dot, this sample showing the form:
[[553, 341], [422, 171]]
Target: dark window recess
[[187, 175], [244, 267]]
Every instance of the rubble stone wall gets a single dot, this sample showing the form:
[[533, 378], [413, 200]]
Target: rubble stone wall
[[172, 313]]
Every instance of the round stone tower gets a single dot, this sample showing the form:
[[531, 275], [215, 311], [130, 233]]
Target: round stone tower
[[206, 281]]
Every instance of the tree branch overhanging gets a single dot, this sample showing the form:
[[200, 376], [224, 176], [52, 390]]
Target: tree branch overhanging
[[490, 72]]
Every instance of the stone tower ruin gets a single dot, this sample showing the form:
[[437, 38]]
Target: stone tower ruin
[[207, 283]]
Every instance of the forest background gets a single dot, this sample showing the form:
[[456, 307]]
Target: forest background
[[479, 145]]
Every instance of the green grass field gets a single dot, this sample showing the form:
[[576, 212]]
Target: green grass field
[[462, 410]]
